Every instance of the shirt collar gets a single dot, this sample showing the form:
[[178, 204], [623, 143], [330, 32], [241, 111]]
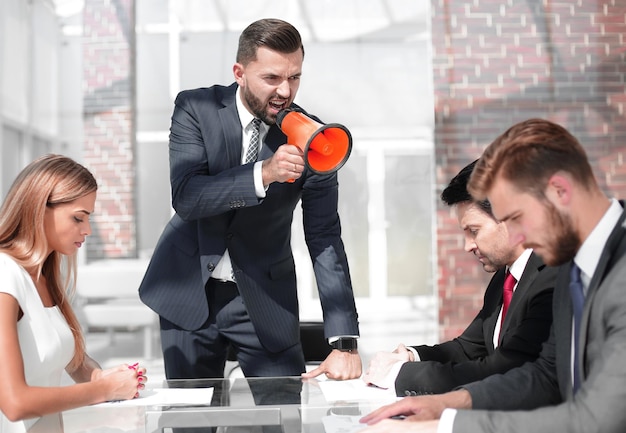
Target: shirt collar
[[588, 255], [244, 115], [518, 266]]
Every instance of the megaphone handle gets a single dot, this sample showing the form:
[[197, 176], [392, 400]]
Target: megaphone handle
[[292, 180]]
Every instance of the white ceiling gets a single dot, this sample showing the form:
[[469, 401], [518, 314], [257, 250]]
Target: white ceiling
[[317, 20]]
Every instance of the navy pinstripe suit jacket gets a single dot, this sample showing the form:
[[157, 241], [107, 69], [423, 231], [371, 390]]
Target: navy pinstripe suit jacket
[[217, 208]]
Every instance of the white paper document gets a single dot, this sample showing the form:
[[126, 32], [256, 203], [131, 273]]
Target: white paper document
[[342, 424], [354, 390], [167, 397]]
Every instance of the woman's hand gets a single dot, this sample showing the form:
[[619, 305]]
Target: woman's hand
[[123, 382]]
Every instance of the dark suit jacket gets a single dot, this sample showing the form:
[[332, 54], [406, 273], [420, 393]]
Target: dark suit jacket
[[472, 355], [217, 208], [599, 403]]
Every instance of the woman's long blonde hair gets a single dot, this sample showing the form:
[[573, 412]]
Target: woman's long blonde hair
[[48, 181]]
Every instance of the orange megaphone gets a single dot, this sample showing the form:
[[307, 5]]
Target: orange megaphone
[[326, 148]]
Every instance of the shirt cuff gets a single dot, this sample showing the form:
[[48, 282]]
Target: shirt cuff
[[446, 422], [258, 179], [416, 356], [389, 382]]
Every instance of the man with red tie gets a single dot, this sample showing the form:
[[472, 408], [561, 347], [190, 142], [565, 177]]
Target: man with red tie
[[509, 329]]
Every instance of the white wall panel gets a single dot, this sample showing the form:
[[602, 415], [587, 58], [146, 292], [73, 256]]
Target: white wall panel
[[45, 70], [15, 58]]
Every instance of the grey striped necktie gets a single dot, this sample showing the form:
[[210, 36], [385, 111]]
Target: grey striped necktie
[[253, 148]]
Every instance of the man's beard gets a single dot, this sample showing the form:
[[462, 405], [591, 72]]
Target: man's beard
[[565, 241], [258, 107]]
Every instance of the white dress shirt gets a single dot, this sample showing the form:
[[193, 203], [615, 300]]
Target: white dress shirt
[[223, 270]]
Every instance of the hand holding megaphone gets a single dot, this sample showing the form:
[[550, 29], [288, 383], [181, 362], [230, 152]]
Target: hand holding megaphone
[[286, 165], [325, 148]]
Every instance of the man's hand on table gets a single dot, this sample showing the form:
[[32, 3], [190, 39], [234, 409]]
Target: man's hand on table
[[338, 365], [378, 371], [421, 408]]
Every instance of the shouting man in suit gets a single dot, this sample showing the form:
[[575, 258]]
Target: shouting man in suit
[[498, 339], [540, 183], [223, 273]]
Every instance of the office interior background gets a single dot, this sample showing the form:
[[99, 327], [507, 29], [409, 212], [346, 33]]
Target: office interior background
[[423, 86]]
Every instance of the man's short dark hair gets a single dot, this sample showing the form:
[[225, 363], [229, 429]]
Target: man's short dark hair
[[272, 33], [456, 192]]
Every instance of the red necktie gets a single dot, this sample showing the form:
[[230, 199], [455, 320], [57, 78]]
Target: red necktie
[[507, 294]]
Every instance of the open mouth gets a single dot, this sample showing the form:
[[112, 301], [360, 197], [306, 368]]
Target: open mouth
[[277, 105]]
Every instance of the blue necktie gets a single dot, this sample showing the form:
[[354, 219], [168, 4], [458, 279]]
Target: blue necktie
[[578, 300]]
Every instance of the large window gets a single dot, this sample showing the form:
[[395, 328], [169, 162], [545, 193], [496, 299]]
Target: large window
[[367, 66], [29, 113]]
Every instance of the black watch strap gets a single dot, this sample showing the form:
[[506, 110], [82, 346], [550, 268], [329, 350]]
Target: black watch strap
[[345, 344]]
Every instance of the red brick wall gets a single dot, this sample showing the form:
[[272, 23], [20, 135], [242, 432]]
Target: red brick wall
[[497, 63], [108, 47]]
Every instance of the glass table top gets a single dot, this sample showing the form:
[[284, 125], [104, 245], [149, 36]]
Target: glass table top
[[278, 404]]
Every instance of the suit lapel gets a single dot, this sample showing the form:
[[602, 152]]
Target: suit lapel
[[614, 249], [610, 255], [494, 291], [229, 155]]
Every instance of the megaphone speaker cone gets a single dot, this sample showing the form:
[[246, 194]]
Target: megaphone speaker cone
[[329, 149]]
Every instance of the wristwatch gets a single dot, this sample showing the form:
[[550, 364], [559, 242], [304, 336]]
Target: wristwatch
[[344, 344]]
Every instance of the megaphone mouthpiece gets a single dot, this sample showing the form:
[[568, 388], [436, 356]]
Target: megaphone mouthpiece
[[281, 116]]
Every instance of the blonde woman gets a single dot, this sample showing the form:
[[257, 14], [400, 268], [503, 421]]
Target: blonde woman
[[44, 220]]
